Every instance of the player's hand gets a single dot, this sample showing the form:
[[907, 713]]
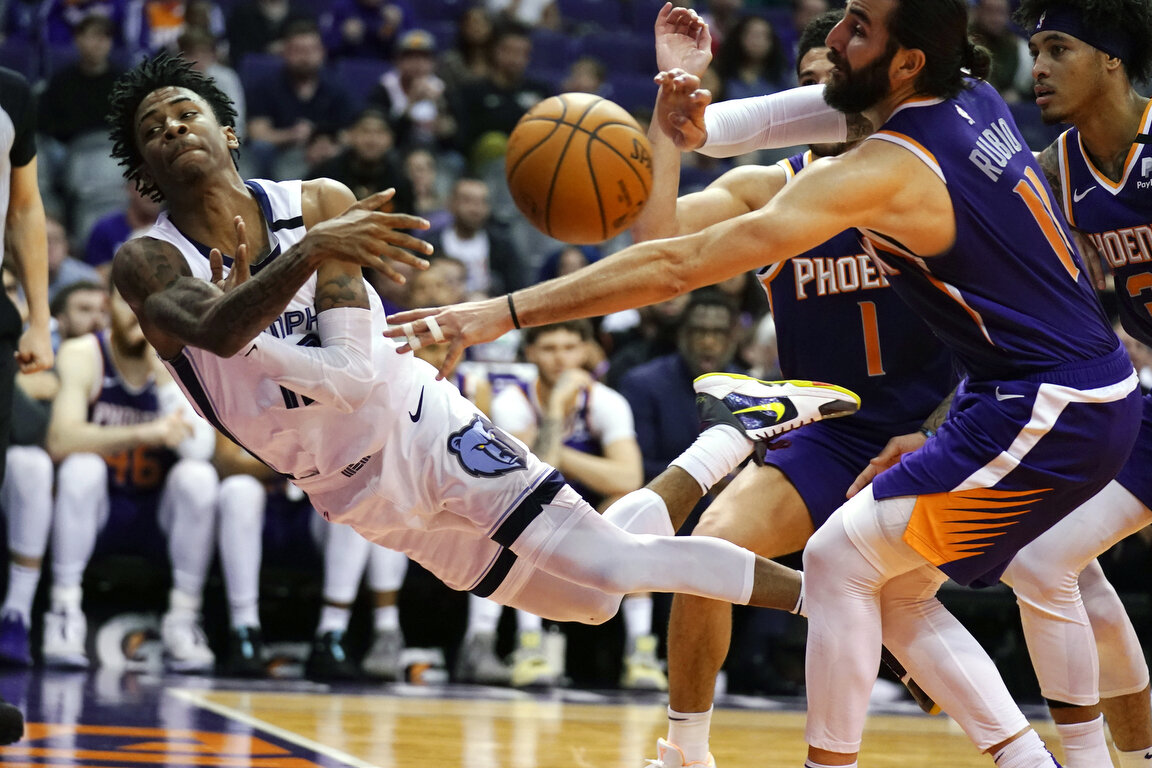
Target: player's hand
[[566, 391], [169, 430], [682, 40], [460, 326], [890, 456], [367, 235], [240, 271], [1092, 259], [34, 349], [680, 105]]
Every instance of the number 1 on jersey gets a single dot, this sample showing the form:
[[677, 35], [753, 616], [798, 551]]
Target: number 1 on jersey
[[871, 338]]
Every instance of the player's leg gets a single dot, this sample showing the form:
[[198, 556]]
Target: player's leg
[[26, 495], [345, 558], [187, 514], [761, 511], [1124, 692], [1045, 577], [846, 581], [80, 511], [386, 571], [240, 542], [642, 669]]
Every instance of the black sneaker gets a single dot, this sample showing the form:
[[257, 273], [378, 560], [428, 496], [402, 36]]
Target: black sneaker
[[328, 660], [245, 656], [11, 724]]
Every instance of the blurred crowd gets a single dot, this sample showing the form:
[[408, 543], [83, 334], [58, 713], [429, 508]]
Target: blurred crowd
[[419, 96]]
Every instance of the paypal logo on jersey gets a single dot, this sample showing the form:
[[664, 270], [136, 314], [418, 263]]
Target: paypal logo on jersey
[[484, 450]]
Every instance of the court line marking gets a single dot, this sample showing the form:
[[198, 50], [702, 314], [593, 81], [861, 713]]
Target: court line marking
[[196, 699]]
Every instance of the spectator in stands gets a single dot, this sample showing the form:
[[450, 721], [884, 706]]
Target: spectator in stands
[[133, 471], [444, 282], [199, 45], [366, 28], [751, 61], [63, 269], [288, 105], [660, 390], [566, 260], [258, 26], [803, 12], [110, 231], [22, 22], [490, 107], [991, 26], [428, 187], [721, 16], [544, 14], [368, 162], [473, 237], [74, 141], [467, 59], [585, 75], [414, 97], [76, 96], [636, 339], [78, 309], [61, 20]]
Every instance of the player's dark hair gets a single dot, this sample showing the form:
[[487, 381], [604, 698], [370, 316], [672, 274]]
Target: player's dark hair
[[939, 28], [815, 33], [131, 88], [1131, 18], [581, 328]]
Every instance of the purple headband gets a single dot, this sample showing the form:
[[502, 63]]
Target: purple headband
[[1113, 41]]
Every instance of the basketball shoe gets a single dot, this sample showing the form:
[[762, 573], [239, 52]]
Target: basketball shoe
[[14, 646], [328, 661], [764, 410], [668, 755], [185, 646], [479, 663], [382, 662], [245, 657], [532, 665], [642, 669], [11, 724], [65, 638]]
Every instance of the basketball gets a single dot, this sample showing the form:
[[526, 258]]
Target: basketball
[[579, 167]]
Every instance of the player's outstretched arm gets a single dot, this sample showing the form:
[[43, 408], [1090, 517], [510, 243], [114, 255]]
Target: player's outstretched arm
[[683, 40]]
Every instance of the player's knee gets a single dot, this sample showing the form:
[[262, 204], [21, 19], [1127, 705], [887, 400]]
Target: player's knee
[[242, 499], [195, 479], [1039, 583], [81, 475], [593, 607], [30, 464]]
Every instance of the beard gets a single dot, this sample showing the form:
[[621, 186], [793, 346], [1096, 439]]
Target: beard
[[855, 91]]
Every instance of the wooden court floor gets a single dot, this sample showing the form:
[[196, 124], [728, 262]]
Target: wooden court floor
[[108, 720], [539, 732]]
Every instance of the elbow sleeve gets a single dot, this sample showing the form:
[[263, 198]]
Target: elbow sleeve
[[339, 372], [785, 119]]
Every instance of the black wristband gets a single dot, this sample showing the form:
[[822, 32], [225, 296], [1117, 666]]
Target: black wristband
[[512, 311]]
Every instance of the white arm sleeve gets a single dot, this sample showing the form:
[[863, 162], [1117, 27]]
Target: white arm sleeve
[[784, 119], [338, 373], [201, 444]]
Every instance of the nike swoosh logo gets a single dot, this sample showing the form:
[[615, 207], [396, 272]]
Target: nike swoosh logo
[[1077, 195], [1005, 397], [419, 407]]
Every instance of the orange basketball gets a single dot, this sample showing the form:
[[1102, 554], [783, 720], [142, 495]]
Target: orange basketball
[[579, 167]]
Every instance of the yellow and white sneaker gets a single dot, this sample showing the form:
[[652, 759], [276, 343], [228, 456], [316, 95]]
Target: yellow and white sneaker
[[764, 410], [642, 669]]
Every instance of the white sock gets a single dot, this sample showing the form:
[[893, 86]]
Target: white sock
[[483, 615], [22, 583], [1084, 744], [642, 511], [637, 615], [717, 451], [244, 615], [386, 617], [809, 764], [333, 618], [182, 603], [689, 732], [1141, 758], [66, 598], [1025, 752]]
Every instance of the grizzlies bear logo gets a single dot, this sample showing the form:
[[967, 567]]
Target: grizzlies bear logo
[[484, 450]]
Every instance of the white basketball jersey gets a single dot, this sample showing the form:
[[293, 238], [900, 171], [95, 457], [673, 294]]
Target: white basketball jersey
[[290, 433]]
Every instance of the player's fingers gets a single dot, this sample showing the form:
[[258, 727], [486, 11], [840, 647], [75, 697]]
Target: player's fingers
[[404, 221], [451, 360], [376, 200], [216, 264], [401, 250], [396, 321], [862, 480]]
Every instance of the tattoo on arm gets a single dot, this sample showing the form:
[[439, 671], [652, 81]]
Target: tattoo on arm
[[1051, 167], [340, 288]]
